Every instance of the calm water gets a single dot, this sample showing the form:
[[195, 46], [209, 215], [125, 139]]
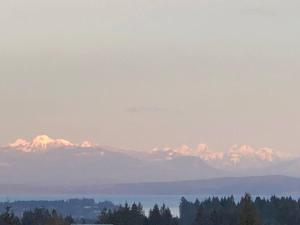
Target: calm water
[[148, 201]]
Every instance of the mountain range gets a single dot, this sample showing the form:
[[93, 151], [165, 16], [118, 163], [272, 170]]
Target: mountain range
[[52, 163]]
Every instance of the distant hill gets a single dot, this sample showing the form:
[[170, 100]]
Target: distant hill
[[259, 185], [256, 185]]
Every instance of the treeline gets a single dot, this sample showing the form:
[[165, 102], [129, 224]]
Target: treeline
[[135, 215], [78, 208], [39, 216], [123, 215], [225, 211], [212, 211]]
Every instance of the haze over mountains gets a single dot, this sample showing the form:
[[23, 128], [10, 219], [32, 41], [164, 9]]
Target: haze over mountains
[[55, 163]]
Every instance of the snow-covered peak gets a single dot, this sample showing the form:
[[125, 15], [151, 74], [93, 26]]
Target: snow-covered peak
[[201, 151], [244, 155], [44, 143], [41, 142], [20, 144], [87, 144]]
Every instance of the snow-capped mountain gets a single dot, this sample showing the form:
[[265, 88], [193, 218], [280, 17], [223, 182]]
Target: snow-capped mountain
[[44, 143], [243, 156], [201, 151], [49, 161], [65, 163]]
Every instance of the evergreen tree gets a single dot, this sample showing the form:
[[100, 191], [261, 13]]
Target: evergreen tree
[[166, 216], [247, 212], [155, 216], [8, 218], [202, 218]]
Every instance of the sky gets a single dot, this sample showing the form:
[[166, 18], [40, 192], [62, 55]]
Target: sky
[[139, 74]]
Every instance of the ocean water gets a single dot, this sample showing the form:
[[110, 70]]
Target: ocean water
[[148, 201]]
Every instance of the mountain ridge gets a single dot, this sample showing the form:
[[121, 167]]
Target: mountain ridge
[[58, 161], [255, 185], [43, 143], [243, 154]]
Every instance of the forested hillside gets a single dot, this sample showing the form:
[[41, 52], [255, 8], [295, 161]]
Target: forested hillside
[[78, 208], [212, 211], [226, 211]]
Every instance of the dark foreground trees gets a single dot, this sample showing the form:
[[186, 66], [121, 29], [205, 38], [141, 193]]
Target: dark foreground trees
[[212, 211], [135, 215], [9, 218], [225, 211], [247, 212], [42, 216], [37, 217]]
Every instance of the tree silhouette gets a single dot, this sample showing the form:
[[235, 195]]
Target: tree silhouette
[[247, 212]]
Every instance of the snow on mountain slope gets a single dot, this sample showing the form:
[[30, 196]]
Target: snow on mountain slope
[[58, 161], [49, 161], [44, 143], [243, 156]]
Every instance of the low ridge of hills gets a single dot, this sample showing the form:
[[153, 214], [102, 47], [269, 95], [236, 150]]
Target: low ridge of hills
[[255, 185], [258, 185]]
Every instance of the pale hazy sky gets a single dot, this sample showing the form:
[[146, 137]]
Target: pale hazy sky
[[144, 73]]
